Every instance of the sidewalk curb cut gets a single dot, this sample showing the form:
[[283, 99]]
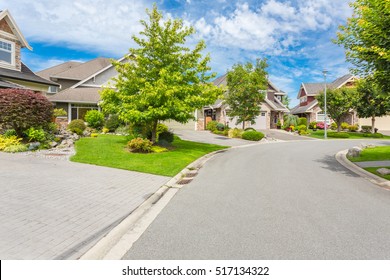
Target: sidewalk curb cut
[[341, 157]]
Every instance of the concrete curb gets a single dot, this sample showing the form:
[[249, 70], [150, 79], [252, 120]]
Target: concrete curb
[[341, 157], [119, 240]]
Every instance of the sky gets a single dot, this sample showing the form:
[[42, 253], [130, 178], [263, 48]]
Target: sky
[[294, 36]]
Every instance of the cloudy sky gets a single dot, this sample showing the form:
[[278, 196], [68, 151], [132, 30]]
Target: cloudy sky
[[295, 36]]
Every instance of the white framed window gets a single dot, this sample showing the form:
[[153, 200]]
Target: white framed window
[[7, 52], [53, 89], [303, 99], [321, 118]]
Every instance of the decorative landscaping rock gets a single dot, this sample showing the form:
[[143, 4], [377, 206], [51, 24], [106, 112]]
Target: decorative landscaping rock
[[383, 171], [33, 146], [53, 144], [354, 152]]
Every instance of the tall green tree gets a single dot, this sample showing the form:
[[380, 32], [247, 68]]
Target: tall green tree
[[246, 84], [162, 79], [371, 102], [339, 103], [366, 39]]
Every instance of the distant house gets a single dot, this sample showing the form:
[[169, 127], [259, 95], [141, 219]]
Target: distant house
[[308, 105], [13, 72]]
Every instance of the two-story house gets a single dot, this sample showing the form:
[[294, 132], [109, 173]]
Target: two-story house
[[13, 72]]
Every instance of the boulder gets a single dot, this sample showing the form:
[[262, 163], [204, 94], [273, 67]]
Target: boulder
[[383, 171], [33, 146], [354, 152], [53, 144]]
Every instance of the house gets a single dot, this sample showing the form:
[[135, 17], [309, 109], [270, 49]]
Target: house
[[271, 111], [308, 105], [88, 79], [13, 72]]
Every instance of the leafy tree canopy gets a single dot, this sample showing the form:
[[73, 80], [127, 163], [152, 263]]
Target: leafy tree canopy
[[246, 83], [162, 79]]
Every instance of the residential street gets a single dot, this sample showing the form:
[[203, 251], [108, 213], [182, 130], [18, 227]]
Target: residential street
[[289, 200]]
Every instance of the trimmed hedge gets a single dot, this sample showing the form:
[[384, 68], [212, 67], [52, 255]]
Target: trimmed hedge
[[338, 134], [77, 126], [373, 135], [252, 135]]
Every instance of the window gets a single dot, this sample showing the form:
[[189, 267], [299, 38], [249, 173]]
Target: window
[[6, 52], [53, 89], [303, 99]]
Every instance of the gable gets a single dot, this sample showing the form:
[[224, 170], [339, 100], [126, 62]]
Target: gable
[[9, 28], [301, 92], [4, 26]]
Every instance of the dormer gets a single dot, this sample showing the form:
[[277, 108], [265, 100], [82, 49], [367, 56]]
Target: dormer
[[11, 42]]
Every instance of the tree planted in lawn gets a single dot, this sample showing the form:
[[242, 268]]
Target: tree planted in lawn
[[162, 79], [371, 101], [21, 109], [339, 102], [245, 84]]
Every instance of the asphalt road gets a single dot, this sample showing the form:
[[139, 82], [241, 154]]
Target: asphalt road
[[289, 200]]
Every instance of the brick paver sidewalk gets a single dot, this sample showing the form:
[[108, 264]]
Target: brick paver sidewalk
[[55, 209]]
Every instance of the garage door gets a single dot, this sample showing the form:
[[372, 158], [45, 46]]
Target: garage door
[[176, 125], [382, 123], [261, 121]]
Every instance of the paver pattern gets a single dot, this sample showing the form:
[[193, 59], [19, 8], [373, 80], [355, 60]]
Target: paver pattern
[[56, 209]]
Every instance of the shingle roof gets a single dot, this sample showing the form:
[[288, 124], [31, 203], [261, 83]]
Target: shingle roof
[[77, 95], [313, 89], [7, 84], [26, 75], [341, 81], [84, 70], [303, 109], [52, 71]]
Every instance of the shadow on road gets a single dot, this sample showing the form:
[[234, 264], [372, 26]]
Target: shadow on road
[[332, 164]]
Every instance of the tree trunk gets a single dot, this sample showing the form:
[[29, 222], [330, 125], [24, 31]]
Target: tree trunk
[[243, 125], [338, 126], [373, 124], [154, 131]]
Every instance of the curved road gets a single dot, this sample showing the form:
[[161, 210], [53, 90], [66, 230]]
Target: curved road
[[288, 200]]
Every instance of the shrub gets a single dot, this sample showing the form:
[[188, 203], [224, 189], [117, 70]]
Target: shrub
[[212, 125], [59, 112], [9, 141], [167, 136], [235, 133], [123, 130], [344, 125], [220, 127], [366, 128], [302, 121], [105, 130], [290, 120], [313, 125], [353, 128], [373, 135], [94, 135], [18, 148], [21, 109], [334, 134], [158, 149], [223, 132], [77, 126], [301, 127], [252, 135], [112, 123], [333, 126], [34, 134], [9, 133], [249, 129], [140, 145], [94, 118], [321, 125], [303, 132]]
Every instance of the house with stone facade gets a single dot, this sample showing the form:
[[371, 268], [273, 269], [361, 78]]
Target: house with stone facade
[[13, 72], [308, 105]]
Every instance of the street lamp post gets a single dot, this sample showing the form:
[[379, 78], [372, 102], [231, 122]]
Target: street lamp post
[[325, 119]]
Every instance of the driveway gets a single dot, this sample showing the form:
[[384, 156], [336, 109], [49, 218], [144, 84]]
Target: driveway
[[55, 209], [289, 200]]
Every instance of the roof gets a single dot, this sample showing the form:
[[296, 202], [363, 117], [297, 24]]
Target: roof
[[11, 22], [341, 81], [52, 71], [25, 75], [221, 81], [77, 95], [7, 84], [304, 109], [313, 89], [84, 70]]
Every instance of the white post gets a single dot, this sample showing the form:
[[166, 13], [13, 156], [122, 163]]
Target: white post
[[325, 118]]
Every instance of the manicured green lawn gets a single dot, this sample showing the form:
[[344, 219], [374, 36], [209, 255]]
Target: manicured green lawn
[[374, 169], [372, 154], [110, 151], [352, 135]]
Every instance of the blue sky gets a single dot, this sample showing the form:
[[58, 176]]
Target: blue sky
[[295, 35]]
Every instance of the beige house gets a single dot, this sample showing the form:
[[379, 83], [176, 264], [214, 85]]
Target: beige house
[[13, 72]]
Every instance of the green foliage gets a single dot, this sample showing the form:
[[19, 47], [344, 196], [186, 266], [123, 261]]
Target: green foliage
[[162, 79], [235, 133], [303, 132], [302, 121], [353, 128], [249, 128], [290, 120], [59, 112], [220, 127], [158, 149], [333, 134], [113, 122], [244, 97], [18, 148], [105, 130], [301, 127], [313, 125], [94, 135], [366, 128], [365, 38], [344, 125], [95, 119], [211, 125], [140, 145], [333, 126], [10, 132], [166, 136], [373, 135], [77, 126], [339, 102], [252, 135], [9, 141], [21, 109], [123, 130], [35, 134]]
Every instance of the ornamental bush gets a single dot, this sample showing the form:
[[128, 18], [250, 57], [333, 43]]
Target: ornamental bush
[[95, 119], [220, 127], [35, 134], [373, 135], [113, 122], [302, 121], [21, 109], [333, 126], [334, 134], [140, 145], [166, 136], [301, 127], [313, 125], [353, 128], [344, 125], [366, 128], [252, 135], [6, 142], [235, 133], [211, 125], [77, 126]]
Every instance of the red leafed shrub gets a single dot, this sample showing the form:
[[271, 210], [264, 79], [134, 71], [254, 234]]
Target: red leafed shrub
[[21, 109]]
